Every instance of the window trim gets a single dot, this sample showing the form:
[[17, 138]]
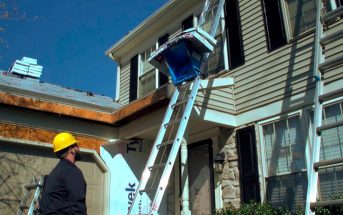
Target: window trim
[[141, 74]]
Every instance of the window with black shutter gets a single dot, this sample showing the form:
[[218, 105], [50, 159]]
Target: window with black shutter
[[275, 31], [133, 78], [234, 34]]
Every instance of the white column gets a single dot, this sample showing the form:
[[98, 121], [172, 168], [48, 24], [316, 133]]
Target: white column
[[184, 179]]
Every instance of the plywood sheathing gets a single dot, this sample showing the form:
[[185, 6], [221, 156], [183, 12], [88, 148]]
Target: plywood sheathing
[[45, 136], [133, 110]]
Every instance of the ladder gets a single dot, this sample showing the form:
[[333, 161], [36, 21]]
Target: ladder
[[320, 66], [33, 191], [157, 171]]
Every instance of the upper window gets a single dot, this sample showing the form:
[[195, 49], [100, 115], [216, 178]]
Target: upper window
[[285, 19], [234, 34], [216, 59], [147, 74], [301, 15]]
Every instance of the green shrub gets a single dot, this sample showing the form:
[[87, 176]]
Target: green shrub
[[254, 208], [330, 210]]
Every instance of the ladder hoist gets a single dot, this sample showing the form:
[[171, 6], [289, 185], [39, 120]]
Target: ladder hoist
[[33, 192], [321, 64], [185, 57]]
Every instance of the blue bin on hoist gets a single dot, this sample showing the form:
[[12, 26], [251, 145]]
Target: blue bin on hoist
[[183, 55]]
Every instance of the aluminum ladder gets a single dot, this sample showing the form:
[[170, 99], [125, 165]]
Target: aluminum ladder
[[33, 188], [320, 66], [157, 171]]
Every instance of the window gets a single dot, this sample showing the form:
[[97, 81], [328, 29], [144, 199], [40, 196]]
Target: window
[[331, 178], [286, 19], [275, 31], [234, 34], [301, 15], [147, 77], [284, 151], [216, 60]]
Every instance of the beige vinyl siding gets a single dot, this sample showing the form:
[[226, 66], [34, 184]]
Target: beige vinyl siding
[[124, 84], [333, 50], [268, 77], [219, 99]]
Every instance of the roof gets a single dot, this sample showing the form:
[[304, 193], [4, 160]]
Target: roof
[[167, 14], [31, 94], [50, 92]]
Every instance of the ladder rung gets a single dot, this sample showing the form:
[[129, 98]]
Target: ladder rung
[[325, 163], [331, 37], [148, 190], [156, 166], [335, 202], [23, 207], [332, 15], [172, 123], [328, 96], [179, 103], [169, 142], [328, 64], [328, 126]]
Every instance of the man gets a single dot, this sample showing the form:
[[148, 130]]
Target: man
[[64, 190]]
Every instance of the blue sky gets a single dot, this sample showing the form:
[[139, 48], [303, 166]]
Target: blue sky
[[69, 38]]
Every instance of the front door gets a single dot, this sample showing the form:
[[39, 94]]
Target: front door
[[248, 165], [201, 178]]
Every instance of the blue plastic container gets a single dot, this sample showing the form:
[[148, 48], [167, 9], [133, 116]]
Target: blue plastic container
[[183, 62]]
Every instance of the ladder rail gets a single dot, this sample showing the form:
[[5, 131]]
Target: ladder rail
[[181, 128], [185, 118], [312, 187], [36, 196], [175, 147], [153, 154]]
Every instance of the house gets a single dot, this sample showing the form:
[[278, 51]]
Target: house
[[261, 125], [32, 113]]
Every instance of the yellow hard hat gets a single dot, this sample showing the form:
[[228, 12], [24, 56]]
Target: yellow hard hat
[[63, 140]]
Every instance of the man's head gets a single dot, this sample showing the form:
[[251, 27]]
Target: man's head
[[65, 147]]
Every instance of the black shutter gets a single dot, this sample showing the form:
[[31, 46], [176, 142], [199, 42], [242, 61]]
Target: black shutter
[[133, 78], [162, 78], [187, 23], [275, 31], [234, 34], [250, 188]]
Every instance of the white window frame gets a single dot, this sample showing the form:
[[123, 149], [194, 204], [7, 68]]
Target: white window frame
[[262, 156], [287, 24], [140, 73], [223, 35]]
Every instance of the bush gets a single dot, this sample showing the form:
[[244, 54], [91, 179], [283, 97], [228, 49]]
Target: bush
[[254, 208], [330, 210]]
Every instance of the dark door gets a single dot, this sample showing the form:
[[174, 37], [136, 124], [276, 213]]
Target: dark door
[[201, 178], [250, 189]]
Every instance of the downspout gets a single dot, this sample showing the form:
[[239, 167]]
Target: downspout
[[184, 178]]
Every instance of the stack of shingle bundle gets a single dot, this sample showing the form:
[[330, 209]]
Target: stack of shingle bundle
[[27, 67]]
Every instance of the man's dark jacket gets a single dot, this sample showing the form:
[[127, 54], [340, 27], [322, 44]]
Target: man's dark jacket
[[64, 191]]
